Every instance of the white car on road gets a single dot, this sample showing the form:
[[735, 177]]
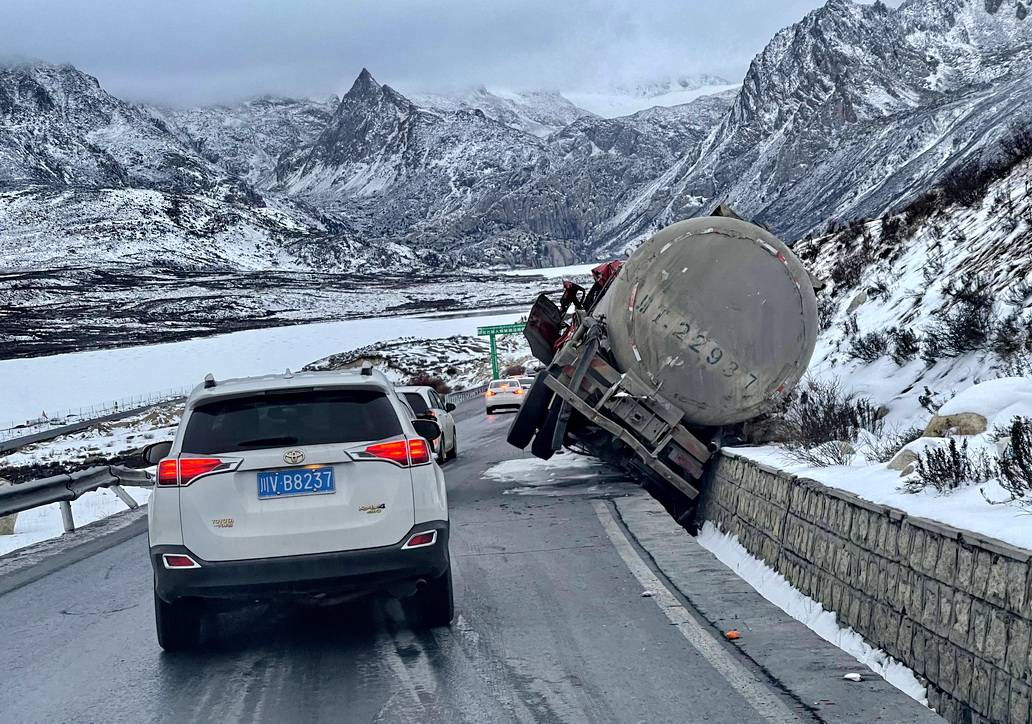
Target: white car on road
[[429, 405], [316, 485], [504, 393]]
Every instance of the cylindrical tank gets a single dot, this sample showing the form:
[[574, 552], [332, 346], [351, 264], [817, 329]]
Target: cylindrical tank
[[717, 312]]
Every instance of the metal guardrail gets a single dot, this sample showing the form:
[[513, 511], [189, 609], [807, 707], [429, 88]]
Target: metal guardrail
[[464, 395], [64, 489]]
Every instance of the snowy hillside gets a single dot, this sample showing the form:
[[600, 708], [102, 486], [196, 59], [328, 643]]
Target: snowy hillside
[[247, 139], [540, 113], [927, 302], [628, 99]]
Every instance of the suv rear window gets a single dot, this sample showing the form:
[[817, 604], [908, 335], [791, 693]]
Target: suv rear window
[[284, 419], [416, 402]]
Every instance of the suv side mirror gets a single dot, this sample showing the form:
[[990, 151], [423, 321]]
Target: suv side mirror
[[428, 429], [156, 451], [449, 407]]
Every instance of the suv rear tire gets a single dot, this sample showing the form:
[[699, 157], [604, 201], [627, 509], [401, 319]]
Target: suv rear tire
[[435, 603], [178, 623]]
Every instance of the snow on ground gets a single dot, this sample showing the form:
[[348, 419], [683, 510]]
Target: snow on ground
[[82, 378], [103, 440], [964, 508], [565, 474], [999, 401], [616, 105], [772, 586], [461, 361], [44, 523], [565, 272]]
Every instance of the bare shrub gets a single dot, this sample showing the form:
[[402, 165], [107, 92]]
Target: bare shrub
[[869, 347], [1015, 464], [826, 307], [966, 325], [424, 379], [1018, 295], [821, 456], [1008, 339], [945, 469], [514, 371], [822, 419], [904, 345], [884, 447]]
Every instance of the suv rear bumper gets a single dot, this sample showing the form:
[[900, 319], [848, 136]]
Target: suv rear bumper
[[390, 569]]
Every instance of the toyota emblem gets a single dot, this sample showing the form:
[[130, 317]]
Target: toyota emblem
[[293, 457]]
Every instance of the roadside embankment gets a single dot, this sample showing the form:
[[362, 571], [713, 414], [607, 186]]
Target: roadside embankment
[[950, 604]]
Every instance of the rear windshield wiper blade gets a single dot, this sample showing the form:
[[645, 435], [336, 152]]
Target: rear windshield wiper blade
[[269, 442]]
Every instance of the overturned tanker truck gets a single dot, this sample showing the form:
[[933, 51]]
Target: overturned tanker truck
[[709, 323]]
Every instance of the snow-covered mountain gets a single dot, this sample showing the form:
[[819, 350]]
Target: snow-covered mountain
[[625, 99], [60, 128], [540, 113], [247, 139], [859, 107], [854, 110]]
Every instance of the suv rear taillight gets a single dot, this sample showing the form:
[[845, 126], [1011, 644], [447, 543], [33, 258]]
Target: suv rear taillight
[[172, 472], [402, 452]]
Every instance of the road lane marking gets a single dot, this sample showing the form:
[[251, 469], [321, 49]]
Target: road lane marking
[[766, 703]]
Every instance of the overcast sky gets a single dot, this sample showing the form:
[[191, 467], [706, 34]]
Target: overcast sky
[[195, 51]]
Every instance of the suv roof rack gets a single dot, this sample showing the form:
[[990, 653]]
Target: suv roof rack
[[367, 369], [209, 381]]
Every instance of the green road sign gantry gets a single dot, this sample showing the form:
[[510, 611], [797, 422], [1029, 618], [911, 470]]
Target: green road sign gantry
[[494, 331]]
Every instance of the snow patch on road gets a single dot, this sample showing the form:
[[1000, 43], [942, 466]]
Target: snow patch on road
[[566, 474], [775, 588]]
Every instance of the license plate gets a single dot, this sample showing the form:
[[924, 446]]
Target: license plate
[[287, 483]]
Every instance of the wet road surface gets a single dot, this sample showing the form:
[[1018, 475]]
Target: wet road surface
[[551, 626]]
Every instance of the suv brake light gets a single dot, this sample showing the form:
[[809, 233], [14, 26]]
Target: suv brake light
[[419, 451], [402, 452], [172, 472]]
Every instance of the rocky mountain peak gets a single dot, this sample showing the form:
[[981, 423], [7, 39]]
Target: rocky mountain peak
[[365, 86]]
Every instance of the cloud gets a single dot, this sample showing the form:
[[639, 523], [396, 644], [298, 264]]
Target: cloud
[[192, 51]]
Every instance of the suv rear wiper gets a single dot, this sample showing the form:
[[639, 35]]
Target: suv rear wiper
[[269, 442]]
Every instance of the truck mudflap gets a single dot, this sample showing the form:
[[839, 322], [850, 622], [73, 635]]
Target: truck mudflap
[[586, 389]]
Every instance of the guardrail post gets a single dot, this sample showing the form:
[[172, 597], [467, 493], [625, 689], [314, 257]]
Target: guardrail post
[[66, 516], [124, 497]]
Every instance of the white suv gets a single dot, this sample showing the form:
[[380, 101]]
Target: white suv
[[428, 404], [309, 485]]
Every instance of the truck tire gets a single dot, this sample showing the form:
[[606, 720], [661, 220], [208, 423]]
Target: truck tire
[[542, 445], [435, 602], [532, 414], [178, 624]]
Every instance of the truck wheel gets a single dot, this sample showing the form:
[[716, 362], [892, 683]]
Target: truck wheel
[[178, 624], [542, 446], [434, 603], [454, 447], [531, 414]]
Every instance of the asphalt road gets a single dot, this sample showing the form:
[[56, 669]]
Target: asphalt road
[[551, 626]]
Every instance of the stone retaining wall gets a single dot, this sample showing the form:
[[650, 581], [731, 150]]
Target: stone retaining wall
[[954, 606]]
